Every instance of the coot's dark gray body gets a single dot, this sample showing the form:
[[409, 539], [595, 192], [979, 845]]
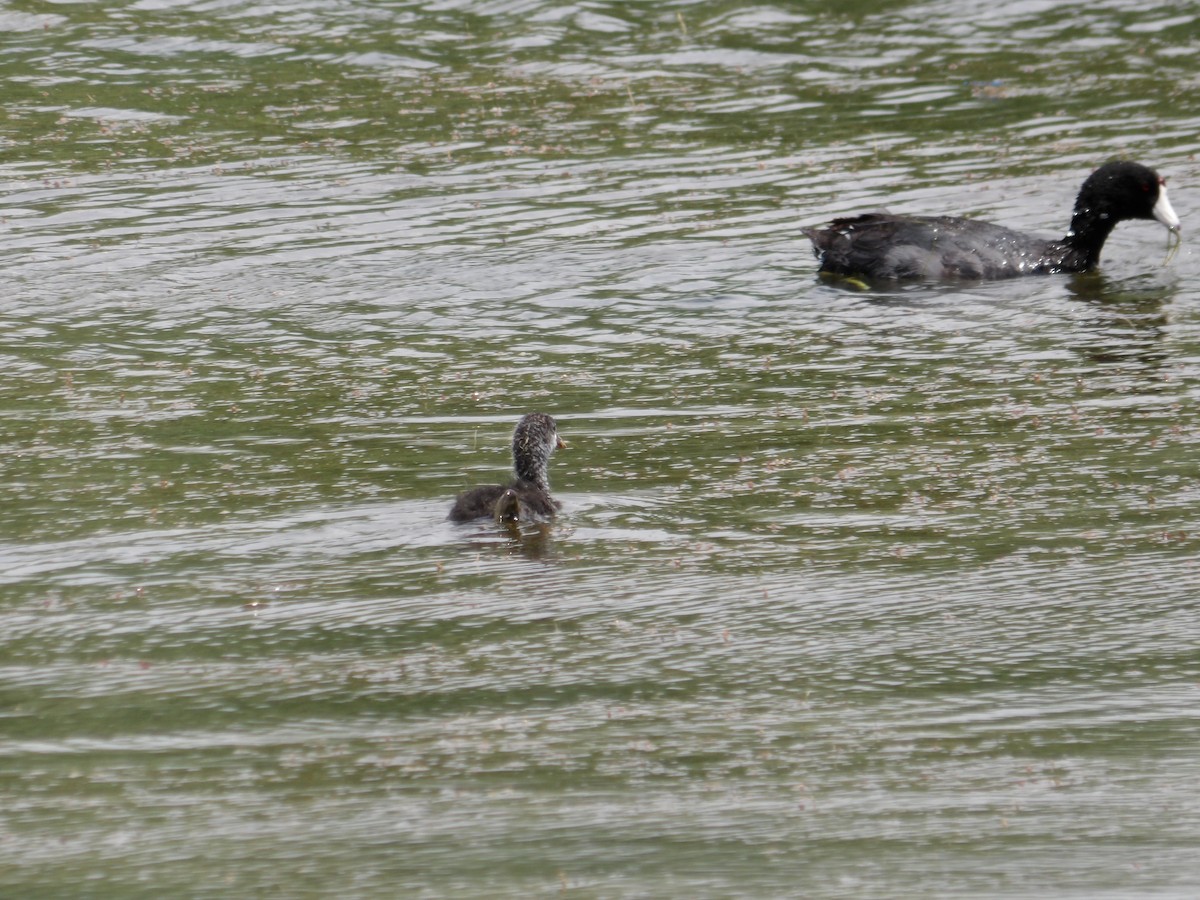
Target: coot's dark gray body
[[881, 246], [517, 501], [527, 497]]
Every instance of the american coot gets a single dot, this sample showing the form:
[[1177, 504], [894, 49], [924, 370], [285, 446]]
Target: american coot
[[945, 248], [527, 497]]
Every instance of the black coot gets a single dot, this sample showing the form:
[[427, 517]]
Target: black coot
[[881, 246], [527, 496]]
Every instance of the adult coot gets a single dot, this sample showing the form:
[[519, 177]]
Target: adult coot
[[944, 248], [527, 496]]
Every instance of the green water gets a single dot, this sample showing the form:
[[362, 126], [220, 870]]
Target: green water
[[870, 593]]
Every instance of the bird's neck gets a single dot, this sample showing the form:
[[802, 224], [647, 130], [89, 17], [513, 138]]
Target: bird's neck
[[1089, 230], [534, 472]]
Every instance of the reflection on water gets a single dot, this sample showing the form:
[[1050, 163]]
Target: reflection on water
[[855, 592], [1127, 322]]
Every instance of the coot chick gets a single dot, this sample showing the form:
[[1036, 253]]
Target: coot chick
[[882, 246], [527, 497]]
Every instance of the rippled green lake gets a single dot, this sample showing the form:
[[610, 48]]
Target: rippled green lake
[[856, 593]]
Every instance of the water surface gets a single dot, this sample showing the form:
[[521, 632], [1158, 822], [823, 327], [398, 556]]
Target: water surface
[[855, 593]]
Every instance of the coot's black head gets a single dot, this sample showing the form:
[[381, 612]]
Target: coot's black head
[[1126, 190], [535, 438], [1114, 192]]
